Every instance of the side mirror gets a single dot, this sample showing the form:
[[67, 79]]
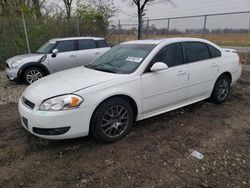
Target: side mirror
[[158, 66], [54, 52]]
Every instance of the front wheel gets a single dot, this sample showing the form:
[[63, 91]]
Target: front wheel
[[112, 120], [221, 89], [32, 74]]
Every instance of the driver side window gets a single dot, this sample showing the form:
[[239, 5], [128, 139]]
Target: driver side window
[[65, 46], [170, 55]]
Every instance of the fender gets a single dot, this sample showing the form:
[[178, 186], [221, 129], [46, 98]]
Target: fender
[[34, 64]]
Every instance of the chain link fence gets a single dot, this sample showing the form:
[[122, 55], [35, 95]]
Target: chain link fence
[[226, 29], [229, 30], [14, 40]]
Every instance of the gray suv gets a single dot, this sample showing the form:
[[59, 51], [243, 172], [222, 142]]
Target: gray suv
[[55, 55]]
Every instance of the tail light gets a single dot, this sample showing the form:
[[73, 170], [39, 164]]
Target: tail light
[[241, 61]]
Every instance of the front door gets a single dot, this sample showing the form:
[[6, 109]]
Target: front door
[[65, 58], [167, 88]]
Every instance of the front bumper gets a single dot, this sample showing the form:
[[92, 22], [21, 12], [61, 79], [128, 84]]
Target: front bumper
[[11, 74], [77, 121]]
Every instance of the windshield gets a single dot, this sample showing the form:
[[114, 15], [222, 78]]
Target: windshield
[[46, 48], [122, 59]]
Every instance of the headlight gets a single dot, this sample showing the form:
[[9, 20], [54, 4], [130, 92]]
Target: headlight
[[15, 64], [63, 102]]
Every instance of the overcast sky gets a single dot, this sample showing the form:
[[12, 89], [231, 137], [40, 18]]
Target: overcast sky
[[127, 14]]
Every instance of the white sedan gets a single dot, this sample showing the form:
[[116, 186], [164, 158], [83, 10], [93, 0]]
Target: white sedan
[[133, 81]]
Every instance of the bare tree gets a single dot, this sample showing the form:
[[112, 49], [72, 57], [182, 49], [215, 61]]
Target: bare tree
[[37, 4], [141, 4], [105, 7], [3, 7], [14, 7], [68, 7]]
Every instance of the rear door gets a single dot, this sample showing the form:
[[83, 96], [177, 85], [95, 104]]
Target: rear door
[[87, 51], [102, 46], [203, 69], [65, 58]]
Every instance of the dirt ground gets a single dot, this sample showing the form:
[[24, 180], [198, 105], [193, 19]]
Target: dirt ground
[[155, 154]]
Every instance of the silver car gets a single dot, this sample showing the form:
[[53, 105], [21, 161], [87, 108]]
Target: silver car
[[55, 55]]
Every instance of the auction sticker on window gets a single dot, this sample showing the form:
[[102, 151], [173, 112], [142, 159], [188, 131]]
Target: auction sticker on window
[[134, 59]]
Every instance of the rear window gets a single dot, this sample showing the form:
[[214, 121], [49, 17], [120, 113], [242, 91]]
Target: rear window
[[86, 44], [213, 51], [101, 44], [196, 51]]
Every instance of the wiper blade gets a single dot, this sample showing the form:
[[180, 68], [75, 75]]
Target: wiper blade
[[104, 70]]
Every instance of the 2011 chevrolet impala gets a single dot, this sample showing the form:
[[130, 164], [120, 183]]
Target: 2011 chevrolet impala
[[133, 81]]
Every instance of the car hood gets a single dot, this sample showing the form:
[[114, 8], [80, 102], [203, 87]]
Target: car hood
[[25, 58], [65, 82]]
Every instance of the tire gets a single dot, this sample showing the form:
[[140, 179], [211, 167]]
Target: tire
[[32, 74], [112, 120], [221, 89]]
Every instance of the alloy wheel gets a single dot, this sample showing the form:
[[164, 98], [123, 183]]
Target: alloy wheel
[[223, 89], [33, 75], [115, 121]]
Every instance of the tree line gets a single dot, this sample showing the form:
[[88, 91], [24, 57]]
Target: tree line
[[153, 30], [59, 8]]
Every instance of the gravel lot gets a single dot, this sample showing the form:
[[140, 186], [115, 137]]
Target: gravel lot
[[9, 91], [155, 154]]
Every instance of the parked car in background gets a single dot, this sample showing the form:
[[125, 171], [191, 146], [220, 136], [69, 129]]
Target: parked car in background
[[55, 55], [132, 81]]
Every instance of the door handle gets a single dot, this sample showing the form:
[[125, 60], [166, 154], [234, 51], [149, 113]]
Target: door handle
[[72, 55], [214, 65], [97, 53], [180, 73]]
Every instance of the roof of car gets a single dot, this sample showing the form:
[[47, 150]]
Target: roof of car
[[76, 38], [170, 40]]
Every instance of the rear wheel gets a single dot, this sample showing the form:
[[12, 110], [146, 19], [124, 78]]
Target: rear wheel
[[112, 120], [221, 89], [32, 74]]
